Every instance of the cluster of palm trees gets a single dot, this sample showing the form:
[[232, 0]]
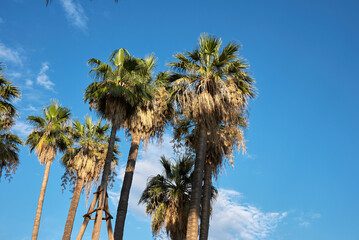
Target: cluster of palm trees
[[204, 97]]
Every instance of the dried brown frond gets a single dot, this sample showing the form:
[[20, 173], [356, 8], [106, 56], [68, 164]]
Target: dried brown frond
[[45, 153], [150, 117]]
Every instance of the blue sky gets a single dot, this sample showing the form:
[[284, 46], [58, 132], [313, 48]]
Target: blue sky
[[298, 179]]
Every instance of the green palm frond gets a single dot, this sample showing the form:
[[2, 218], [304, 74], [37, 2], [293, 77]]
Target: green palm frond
[[85, 157], [51, 133], [167, 197]]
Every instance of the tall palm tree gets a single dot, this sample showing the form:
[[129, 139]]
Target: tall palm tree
[[148, 120], [84, 162], [9, 142], [48, 137], [115, 97], [167, 197], [212, 88]]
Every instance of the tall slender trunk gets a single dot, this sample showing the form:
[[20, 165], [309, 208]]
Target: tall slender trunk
[[194, 207], [103, 186], [206, 202], [35, 230], [73, 207], [126, 186]]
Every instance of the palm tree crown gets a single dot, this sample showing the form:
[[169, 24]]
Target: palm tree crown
[[167, 197], [8, 93], [86, 157], [49, 134], [117, 89], [9, 142], [212, 84]]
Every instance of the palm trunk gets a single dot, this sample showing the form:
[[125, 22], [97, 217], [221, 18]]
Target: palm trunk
[[35, 230], [194, 207], [126, 186], [103, 186], [206, 202], [73, 207]]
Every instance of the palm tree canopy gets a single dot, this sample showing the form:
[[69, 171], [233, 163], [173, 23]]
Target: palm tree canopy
[[167, 197], [86, 157], [8, 93], [50, 132], [151, 116], [9, 142], [120, 86], [212, 84]]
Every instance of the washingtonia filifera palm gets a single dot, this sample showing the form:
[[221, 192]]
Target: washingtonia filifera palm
[[115, 94], [9, 142], [84, 162], [213, 88], [148, 120], [48, 137], [167, 197]]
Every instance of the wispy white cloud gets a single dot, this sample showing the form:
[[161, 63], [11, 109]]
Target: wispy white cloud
[[14, 74], [306, 219], [28, 82], [31, 108], [9, 55], [234, 220], [22, 128], [1, 20], [43, 79], [231, 219], [75, 14]]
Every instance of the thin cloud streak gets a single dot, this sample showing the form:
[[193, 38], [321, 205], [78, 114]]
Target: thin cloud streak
[[9, 55], [75, 14]]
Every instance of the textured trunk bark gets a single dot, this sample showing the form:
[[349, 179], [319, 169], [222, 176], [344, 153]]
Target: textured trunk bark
[[126, 186], [194, 208], [103, 186], [35, 230], [73, 207], [206, 202]]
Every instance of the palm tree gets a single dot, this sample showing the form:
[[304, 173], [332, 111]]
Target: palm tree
[[212, 89], [148, 120], [84, 162], [115, 97], [167, 197], [48, 137], [9, 142]]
